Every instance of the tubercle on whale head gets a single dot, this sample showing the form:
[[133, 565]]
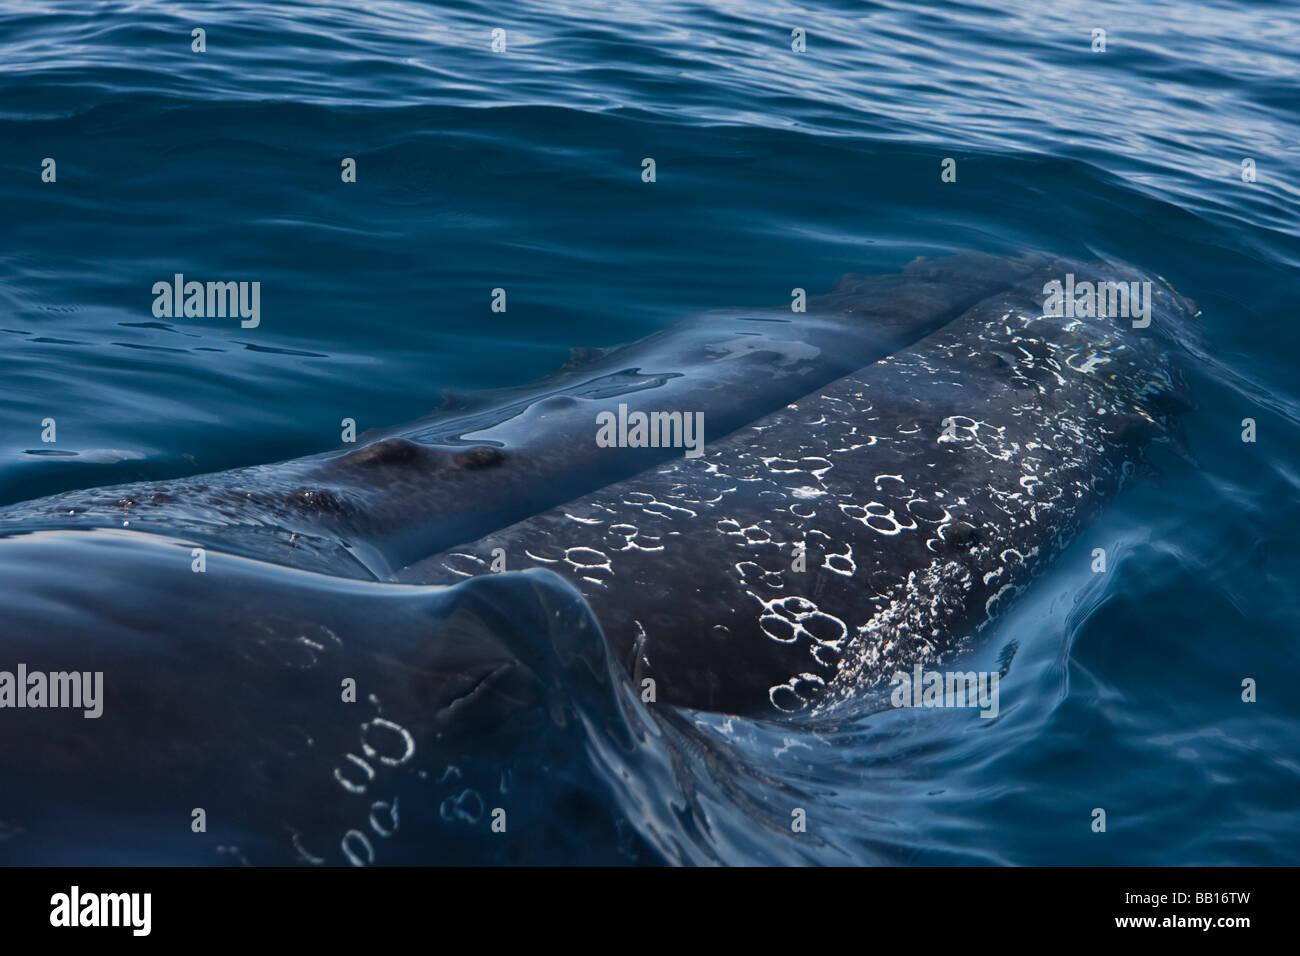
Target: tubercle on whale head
[[400, 451]]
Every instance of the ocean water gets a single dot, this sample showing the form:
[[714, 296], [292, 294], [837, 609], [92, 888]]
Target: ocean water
[[522, 169]]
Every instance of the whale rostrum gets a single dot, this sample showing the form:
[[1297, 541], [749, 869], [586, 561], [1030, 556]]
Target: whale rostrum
[[880, 522]]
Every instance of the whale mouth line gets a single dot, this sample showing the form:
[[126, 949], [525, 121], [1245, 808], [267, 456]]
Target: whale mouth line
[[481, 686]]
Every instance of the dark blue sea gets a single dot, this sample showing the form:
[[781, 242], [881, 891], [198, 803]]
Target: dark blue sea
[[521, 168]]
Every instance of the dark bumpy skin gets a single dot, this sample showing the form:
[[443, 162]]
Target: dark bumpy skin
[[927, 489], [473, 468]]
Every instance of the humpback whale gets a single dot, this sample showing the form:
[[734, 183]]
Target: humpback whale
[[880, 522], [482, 463], [882, 475]]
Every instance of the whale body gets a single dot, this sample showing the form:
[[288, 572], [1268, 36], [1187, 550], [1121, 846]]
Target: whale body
[[348, 674], [881, 522], [482, 463]]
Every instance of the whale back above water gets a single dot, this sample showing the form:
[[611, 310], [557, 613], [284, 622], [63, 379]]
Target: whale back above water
[[881, 522], [928, 465], [476, 466]]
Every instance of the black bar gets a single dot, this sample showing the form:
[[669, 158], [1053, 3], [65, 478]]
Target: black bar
[[943, 905]]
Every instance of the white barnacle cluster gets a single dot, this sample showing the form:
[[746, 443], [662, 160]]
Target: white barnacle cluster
[[797, 693], [464, 565], [814, 465], [879, 517], [591, 564], [842, 564], [908, 629], [748, 535], [651, 505], [628, 537]]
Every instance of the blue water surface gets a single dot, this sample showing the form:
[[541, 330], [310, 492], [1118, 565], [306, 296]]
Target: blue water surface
[[522, 169]]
